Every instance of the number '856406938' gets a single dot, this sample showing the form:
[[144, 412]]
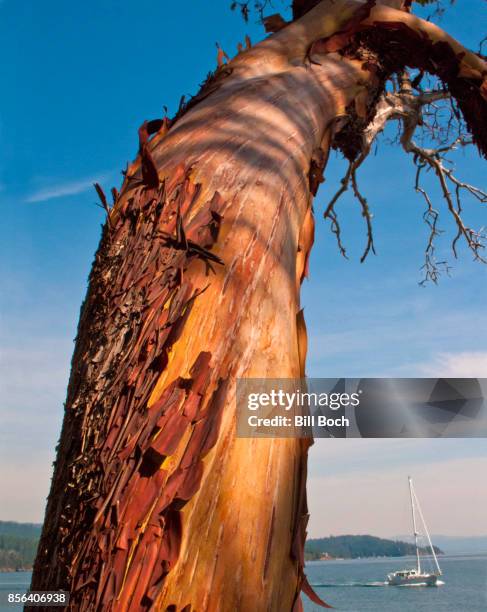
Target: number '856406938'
[[59, 598]]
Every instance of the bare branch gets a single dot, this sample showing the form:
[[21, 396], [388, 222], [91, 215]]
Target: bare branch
[[247, 6], [420, 115], [434, 158], [330, 212]]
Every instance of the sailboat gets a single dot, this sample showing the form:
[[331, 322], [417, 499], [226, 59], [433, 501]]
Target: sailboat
[[416, 576]]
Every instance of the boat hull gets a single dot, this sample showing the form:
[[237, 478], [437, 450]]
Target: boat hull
[[418, 580]]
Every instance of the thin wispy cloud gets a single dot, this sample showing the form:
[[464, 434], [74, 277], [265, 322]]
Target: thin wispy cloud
[[403, 347], [466, 364], [62, 189]]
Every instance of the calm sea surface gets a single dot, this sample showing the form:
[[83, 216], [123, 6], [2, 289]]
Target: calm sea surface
[[358, 585]]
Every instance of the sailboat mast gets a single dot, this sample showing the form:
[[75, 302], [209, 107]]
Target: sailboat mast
[[415, 531], [426, 530]]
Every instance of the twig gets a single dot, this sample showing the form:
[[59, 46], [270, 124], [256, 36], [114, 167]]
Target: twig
[[419, 114]]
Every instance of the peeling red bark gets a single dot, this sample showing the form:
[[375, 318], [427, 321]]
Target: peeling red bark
[[128, 358]]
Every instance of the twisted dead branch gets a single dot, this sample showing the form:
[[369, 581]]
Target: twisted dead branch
[[421, 118]]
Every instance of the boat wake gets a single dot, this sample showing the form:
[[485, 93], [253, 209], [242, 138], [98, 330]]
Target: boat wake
[[419, 584], [350, 584], [368, 584]]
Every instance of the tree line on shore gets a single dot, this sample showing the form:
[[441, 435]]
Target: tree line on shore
[[18, 545], [356, 546]]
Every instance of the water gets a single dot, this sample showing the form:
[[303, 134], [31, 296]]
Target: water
[[358, 585], [13, 582]]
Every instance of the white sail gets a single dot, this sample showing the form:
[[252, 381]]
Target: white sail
[[415, 530], [416, 502]]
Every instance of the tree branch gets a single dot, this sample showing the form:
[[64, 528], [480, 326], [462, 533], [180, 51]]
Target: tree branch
[[410, 110]]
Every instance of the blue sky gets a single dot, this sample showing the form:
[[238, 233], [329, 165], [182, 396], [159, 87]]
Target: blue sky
[[79, 79]]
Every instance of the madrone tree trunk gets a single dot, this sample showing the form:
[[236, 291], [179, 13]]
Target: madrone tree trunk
[[155, 504]]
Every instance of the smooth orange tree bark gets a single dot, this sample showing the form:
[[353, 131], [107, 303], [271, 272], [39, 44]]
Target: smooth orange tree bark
[[155, 504]]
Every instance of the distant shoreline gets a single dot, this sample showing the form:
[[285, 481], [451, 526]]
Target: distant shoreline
[[359, 546], [19, 541], [454, 555], [444, 556]]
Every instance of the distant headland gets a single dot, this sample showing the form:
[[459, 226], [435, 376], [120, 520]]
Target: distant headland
[[18, 545], [358, 546]]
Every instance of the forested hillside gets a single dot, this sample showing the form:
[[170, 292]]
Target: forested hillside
[[18, 545], [354, 546]]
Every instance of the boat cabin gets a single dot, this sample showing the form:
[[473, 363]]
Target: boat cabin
[[406, 573]]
